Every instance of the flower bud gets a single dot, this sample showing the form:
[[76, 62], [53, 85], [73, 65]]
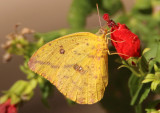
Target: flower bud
[[7, 107], [126, 43]]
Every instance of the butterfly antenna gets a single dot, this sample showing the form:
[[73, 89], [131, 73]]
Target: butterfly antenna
[[99, 16]]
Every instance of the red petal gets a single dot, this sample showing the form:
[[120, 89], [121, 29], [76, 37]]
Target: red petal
[[127, 42], [12, 109], [106, 17]]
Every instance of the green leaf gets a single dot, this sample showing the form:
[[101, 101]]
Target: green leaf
[[141, 94], [143, 65], [33, 83], [154, 84], [28, 89], [145, 50], [151, 111], [46, 89], [144, 93], [151, 107], [133, 84], [149, 78], [154, 52], [4, 98], [138, 91], [18, 87], [27, 95], [15, 99], [24, 68], [156, 68]]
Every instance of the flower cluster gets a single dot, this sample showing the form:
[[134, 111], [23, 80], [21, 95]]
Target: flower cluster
[[126, 43], [7, 107]]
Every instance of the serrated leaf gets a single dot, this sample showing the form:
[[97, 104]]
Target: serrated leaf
[[141, 94], [138, 91]]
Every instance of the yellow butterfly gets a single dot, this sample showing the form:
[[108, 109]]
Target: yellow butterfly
[[77, 64]]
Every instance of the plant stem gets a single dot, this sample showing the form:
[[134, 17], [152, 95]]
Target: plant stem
[[138, 108]]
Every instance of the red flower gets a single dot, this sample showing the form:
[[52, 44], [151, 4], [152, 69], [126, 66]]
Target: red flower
[[125, 42], [7, 107]]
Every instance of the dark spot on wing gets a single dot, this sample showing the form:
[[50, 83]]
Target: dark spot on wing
[[87, 44], [79, 69], [62, 51], [76, 67]]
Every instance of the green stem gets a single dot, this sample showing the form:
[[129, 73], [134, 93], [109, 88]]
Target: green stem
[[138, 108]]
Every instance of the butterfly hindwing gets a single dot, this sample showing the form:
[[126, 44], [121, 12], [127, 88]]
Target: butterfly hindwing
[[76, 64]]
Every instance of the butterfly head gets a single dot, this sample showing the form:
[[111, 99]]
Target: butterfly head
[[102, 32]]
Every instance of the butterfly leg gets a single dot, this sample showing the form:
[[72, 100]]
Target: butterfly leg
[[113, 53]]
